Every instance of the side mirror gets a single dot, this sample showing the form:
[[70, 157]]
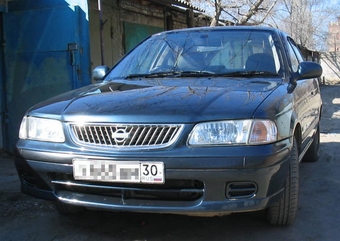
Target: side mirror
[[99, 72], [306, 70]]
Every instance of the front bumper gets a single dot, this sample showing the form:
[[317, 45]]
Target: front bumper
[[216, 185]]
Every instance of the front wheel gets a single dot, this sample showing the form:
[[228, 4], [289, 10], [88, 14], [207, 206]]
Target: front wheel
[[283, 212]]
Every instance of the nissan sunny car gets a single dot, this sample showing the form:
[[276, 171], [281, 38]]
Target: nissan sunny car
[[202, 121]]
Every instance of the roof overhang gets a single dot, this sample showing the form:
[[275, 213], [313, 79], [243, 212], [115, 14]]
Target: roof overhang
[[179, 3]]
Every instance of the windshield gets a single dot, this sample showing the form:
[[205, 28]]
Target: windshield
[[202, 52]]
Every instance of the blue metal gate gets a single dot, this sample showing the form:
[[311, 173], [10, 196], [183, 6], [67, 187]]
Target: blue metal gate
[[46, 53]]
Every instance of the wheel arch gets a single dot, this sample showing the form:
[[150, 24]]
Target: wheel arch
[[296, 131], [298, 136]]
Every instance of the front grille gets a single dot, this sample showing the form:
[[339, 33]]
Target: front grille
[[130, 136], [172, 190], [239, 190]]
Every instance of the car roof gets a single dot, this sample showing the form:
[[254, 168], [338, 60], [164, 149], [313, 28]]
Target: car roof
[[222, 28]]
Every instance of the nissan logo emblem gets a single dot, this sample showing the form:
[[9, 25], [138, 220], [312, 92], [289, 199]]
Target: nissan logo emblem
[[120, 135]]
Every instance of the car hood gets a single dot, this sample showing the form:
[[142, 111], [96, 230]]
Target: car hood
[[159, 100]]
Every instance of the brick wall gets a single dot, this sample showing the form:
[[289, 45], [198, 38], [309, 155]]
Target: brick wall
[[148, 10], [334, 36]]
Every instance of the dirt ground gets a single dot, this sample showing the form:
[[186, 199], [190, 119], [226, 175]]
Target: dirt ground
[[26, 218]]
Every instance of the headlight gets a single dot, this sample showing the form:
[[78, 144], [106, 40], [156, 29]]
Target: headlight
[[234, 132], [41, 129]]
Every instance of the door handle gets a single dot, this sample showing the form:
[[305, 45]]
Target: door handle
[[72, 47]]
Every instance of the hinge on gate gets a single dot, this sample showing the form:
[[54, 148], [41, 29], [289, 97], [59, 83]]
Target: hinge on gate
[[72, 46]]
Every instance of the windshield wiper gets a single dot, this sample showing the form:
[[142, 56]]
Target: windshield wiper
[[153, 75], [195, 73], [248, 74], [198, 73], [172, 74]]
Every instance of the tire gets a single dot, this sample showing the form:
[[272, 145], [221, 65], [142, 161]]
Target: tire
[[312, 154], [283, 212], [67, 209]]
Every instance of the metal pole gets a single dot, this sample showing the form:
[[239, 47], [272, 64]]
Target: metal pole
[[101, 25]]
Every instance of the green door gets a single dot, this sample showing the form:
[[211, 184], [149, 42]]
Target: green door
[[135, 33]]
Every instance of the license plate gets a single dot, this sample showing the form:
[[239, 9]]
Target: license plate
[[118, 171]]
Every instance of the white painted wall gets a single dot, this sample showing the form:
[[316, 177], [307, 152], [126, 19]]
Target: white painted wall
[[330, 63]]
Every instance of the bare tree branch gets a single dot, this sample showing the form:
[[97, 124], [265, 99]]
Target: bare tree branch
[[251, 12], [240, 11]]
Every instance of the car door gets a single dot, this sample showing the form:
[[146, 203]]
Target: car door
[[307, 96]]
